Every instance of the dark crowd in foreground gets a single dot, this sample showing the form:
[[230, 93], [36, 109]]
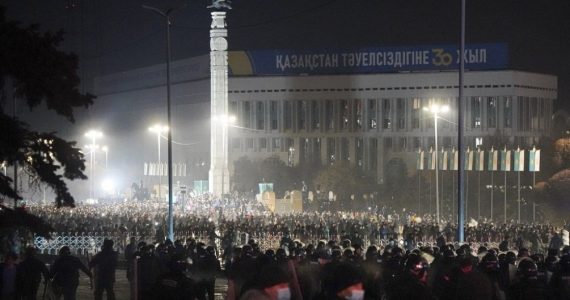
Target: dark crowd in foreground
[[327, 270]]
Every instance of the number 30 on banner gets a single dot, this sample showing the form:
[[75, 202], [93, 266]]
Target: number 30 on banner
[[441, 58]]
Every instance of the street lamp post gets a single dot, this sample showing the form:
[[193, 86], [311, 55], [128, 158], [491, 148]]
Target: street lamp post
[[166, 15], [106, 150], [159, 130], [435, 109], [93, 135]]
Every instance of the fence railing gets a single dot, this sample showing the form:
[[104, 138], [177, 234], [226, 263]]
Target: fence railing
[[91, 242]]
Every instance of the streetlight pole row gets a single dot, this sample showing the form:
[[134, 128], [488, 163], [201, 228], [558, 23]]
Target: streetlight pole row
[[93, 135], [159, 130], [435, 109]]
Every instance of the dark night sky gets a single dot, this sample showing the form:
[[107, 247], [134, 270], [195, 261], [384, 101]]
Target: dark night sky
[[111, 35]]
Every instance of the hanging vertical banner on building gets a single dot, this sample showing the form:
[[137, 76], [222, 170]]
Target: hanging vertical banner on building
[[145, 169], [454, 160], [493, 160], [468, 160], [420, 160], [519, 160], [443, 161], [431, 159], [534, 160], [506, 160], [480, 160]]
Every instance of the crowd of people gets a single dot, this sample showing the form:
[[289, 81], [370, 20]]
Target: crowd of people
[[240, 215], [377, 253]]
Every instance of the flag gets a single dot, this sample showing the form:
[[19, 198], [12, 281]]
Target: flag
[[519, 160], [428, 160], [505, 160], [184, 170], [480, 160], [443, 162], [145, 172], [174, 169], [468, 160], [453, 160], [431, 159], [493, 159], [420, 160], [534, 160]]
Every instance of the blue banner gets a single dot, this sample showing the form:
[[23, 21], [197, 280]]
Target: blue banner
[[366, 60]]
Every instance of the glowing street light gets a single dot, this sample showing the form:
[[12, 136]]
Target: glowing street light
[[93, 135], [159, 130], [436, 109]]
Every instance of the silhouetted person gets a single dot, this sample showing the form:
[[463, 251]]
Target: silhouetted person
[[528, 286], [30, 272], [8, 271], [104, 263], [411, 282], [65, 273], [207, 267]]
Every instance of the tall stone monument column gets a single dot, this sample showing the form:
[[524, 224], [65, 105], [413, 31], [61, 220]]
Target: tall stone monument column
[[219, 177]]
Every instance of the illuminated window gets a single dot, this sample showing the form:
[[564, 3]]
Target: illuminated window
[[386, 111], [478, 141], [372, 122]]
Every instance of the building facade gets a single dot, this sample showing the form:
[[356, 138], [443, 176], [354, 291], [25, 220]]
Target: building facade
[[364, 118], [369, 119]]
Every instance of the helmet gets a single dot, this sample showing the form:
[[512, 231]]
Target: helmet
[[348, 253], [247, 250], [371, 253], [551, 263], [64, 251], [449, 254], [281, 254], [336, 254], [416, 265], [511, 257], [564, 264], [489, 263], [211, 250], [527, 268]]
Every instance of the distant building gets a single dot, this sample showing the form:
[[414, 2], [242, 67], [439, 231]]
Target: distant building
[[326, 108]]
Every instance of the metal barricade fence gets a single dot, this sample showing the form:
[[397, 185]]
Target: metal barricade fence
[[90, 243]]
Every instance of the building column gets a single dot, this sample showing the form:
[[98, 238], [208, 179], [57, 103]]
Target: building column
[[219, 179]]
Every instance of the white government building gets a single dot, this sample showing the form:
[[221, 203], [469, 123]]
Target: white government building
[[362, 106]]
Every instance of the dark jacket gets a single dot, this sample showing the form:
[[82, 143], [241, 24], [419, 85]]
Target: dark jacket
[[105, 264], [29, 275], [65, 271]]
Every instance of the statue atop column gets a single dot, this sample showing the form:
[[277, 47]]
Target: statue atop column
[[221, 4]]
